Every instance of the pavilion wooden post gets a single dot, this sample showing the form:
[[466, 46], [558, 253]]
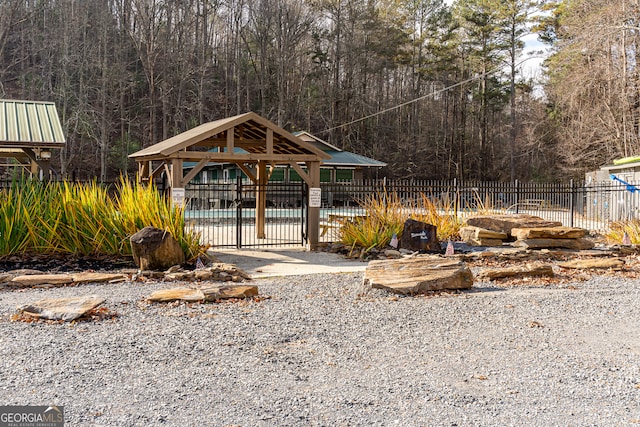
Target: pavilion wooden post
[[261, 199], [313, 233]]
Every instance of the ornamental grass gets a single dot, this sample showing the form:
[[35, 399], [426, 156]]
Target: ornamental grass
[[85, 219], [386, 214], [617, 230]]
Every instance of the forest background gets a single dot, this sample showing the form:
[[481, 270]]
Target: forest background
[[437, 90]]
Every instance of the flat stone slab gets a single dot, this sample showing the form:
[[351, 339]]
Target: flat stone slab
[[208, 294], [548, 233], [528, 270], [484, 242], [66, 309], [504, 223], [470, 232], [65, 278], [419, 274], [93, 277], [587, 264], [43, 279], [578, 244]]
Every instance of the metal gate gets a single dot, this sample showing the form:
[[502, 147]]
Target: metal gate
[[225, 214]]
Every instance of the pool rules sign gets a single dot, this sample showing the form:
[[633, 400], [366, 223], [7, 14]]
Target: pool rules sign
[[315, 197]]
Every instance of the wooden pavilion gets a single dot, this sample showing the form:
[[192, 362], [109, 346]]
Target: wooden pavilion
[[29, 130], [264, 146]]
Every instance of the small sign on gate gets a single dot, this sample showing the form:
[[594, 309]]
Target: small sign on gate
[[315, 197], [177, 196]]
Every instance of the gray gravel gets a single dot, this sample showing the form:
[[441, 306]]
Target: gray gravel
[[315, 354]]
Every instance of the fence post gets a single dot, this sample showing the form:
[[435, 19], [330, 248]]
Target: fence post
[[517, 194], [239, 211], [572, 202]]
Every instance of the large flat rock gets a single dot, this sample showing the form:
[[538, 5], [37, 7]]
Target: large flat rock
[[587, 264], [470, 232], [504, 223], [548, 233], [527, 270], [577, 244], [66, 309], [418, 275], [209, 293]]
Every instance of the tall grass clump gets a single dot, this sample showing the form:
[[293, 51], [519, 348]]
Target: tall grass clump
[[84, 219], [386, 214], [617, 229], [139, 206]]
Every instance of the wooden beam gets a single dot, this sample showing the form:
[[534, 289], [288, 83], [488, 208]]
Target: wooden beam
[[169, 173], [313, 232], [248, 172], [193, 172], [230, 139], [157, 170], [261, 200], [303, 174], [269, 141], [233, 157]]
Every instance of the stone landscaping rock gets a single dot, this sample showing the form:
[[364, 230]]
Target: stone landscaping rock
[[528, 270], [578, 244], [504, 223], [155, 249], [94, 277], [470, 232], [213, 293], [66, 309], [586, 264], [65, 278], [548, 233], [176, 294], [419, 236], [210, 293], [484, 242], [418, 275], [43, 279]]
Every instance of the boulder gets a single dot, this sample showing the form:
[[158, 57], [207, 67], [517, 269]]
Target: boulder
[[527, 270], [66, 309], [504, 223], [155, 249], [419, 236], [548, 233], [418, 275], [577, 244], [587, 264]]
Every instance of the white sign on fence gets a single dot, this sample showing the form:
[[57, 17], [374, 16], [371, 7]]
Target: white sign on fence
[[315, 197], [177, 196]]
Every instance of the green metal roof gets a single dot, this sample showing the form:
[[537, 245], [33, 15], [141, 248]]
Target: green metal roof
[[30, 124]]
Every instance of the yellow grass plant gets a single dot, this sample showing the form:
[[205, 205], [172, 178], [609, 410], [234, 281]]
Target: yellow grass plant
[[386, 214], [84, 219], [617, 229]]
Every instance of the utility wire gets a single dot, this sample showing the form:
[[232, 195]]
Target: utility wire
[[386, 110]]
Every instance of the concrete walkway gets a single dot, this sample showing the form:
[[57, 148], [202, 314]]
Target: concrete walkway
[[286, 262]]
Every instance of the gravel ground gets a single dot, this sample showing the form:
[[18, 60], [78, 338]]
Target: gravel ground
[[317, 354]]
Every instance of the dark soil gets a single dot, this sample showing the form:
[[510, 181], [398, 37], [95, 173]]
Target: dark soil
[[65, 264]]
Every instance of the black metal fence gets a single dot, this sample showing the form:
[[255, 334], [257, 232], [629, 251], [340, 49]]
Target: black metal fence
[[225, 212], [579, 204]]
